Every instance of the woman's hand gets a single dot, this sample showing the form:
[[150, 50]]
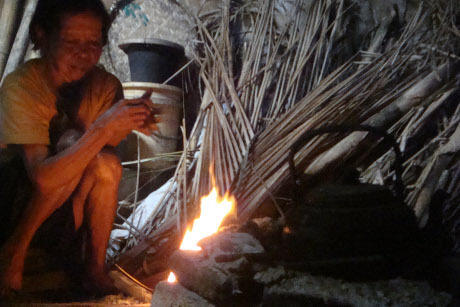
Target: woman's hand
[[127, 115]]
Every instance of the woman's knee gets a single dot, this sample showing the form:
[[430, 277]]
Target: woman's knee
[[106, 167]]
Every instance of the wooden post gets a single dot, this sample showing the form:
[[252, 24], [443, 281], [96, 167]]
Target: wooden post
[[8, 18], [19, 48]]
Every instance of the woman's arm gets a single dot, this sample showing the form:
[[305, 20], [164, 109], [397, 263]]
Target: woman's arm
[[51, 172]]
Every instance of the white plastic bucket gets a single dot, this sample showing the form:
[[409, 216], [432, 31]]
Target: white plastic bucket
[[165, 139]]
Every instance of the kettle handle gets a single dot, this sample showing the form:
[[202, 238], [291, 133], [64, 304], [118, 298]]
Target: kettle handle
[[399, 186]]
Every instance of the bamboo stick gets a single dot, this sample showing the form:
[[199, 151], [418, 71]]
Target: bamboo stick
[[383, 119], [443, 157]]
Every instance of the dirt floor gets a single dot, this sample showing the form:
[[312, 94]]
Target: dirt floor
[[48, 283]]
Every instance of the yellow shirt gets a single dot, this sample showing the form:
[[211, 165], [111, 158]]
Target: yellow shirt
[[27, 104]]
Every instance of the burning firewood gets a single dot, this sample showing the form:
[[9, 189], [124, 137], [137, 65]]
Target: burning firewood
[[220, 272]]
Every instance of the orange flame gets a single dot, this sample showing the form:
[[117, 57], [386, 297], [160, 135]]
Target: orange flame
[[213, 211]]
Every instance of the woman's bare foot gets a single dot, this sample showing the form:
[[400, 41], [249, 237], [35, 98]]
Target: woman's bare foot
[[11, 269], [100, 283]]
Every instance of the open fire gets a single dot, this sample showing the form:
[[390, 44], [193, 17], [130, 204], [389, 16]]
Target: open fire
[[213, 211]]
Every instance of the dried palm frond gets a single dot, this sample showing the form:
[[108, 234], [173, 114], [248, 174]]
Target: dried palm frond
[[234, 107]]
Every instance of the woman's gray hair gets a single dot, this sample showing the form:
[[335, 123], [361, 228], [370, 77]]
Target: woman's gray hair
[[47, 17]]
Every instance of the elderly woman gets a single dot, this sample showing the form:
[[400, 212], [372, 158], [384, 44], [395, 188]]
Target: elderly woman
[[59, 97]]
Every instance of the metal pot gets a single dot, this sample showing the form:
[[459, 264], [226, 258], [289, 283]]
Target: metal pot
[[361, 231]]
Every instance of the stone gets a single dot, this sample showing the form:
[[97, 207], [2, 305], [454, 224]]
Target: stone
[[201, 275], [270, 275], [221, 271], [231, 244], [174, 294]]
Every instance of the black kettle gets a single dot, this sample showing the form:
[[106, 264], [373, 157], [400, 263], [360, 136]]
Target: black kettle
[[351, 231]]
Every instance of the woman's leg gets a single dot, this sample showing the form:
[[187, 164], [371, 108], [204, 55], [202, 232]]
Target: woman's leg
[[98, 189], [13, 253], [97, 196], [100, 213]]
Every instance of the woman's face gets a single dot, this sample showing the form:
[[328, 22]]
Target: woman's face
[[77, 48]]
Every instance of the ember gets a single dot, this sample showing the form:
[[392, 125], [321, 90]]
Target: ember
[[172, 278], [213, 211]]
